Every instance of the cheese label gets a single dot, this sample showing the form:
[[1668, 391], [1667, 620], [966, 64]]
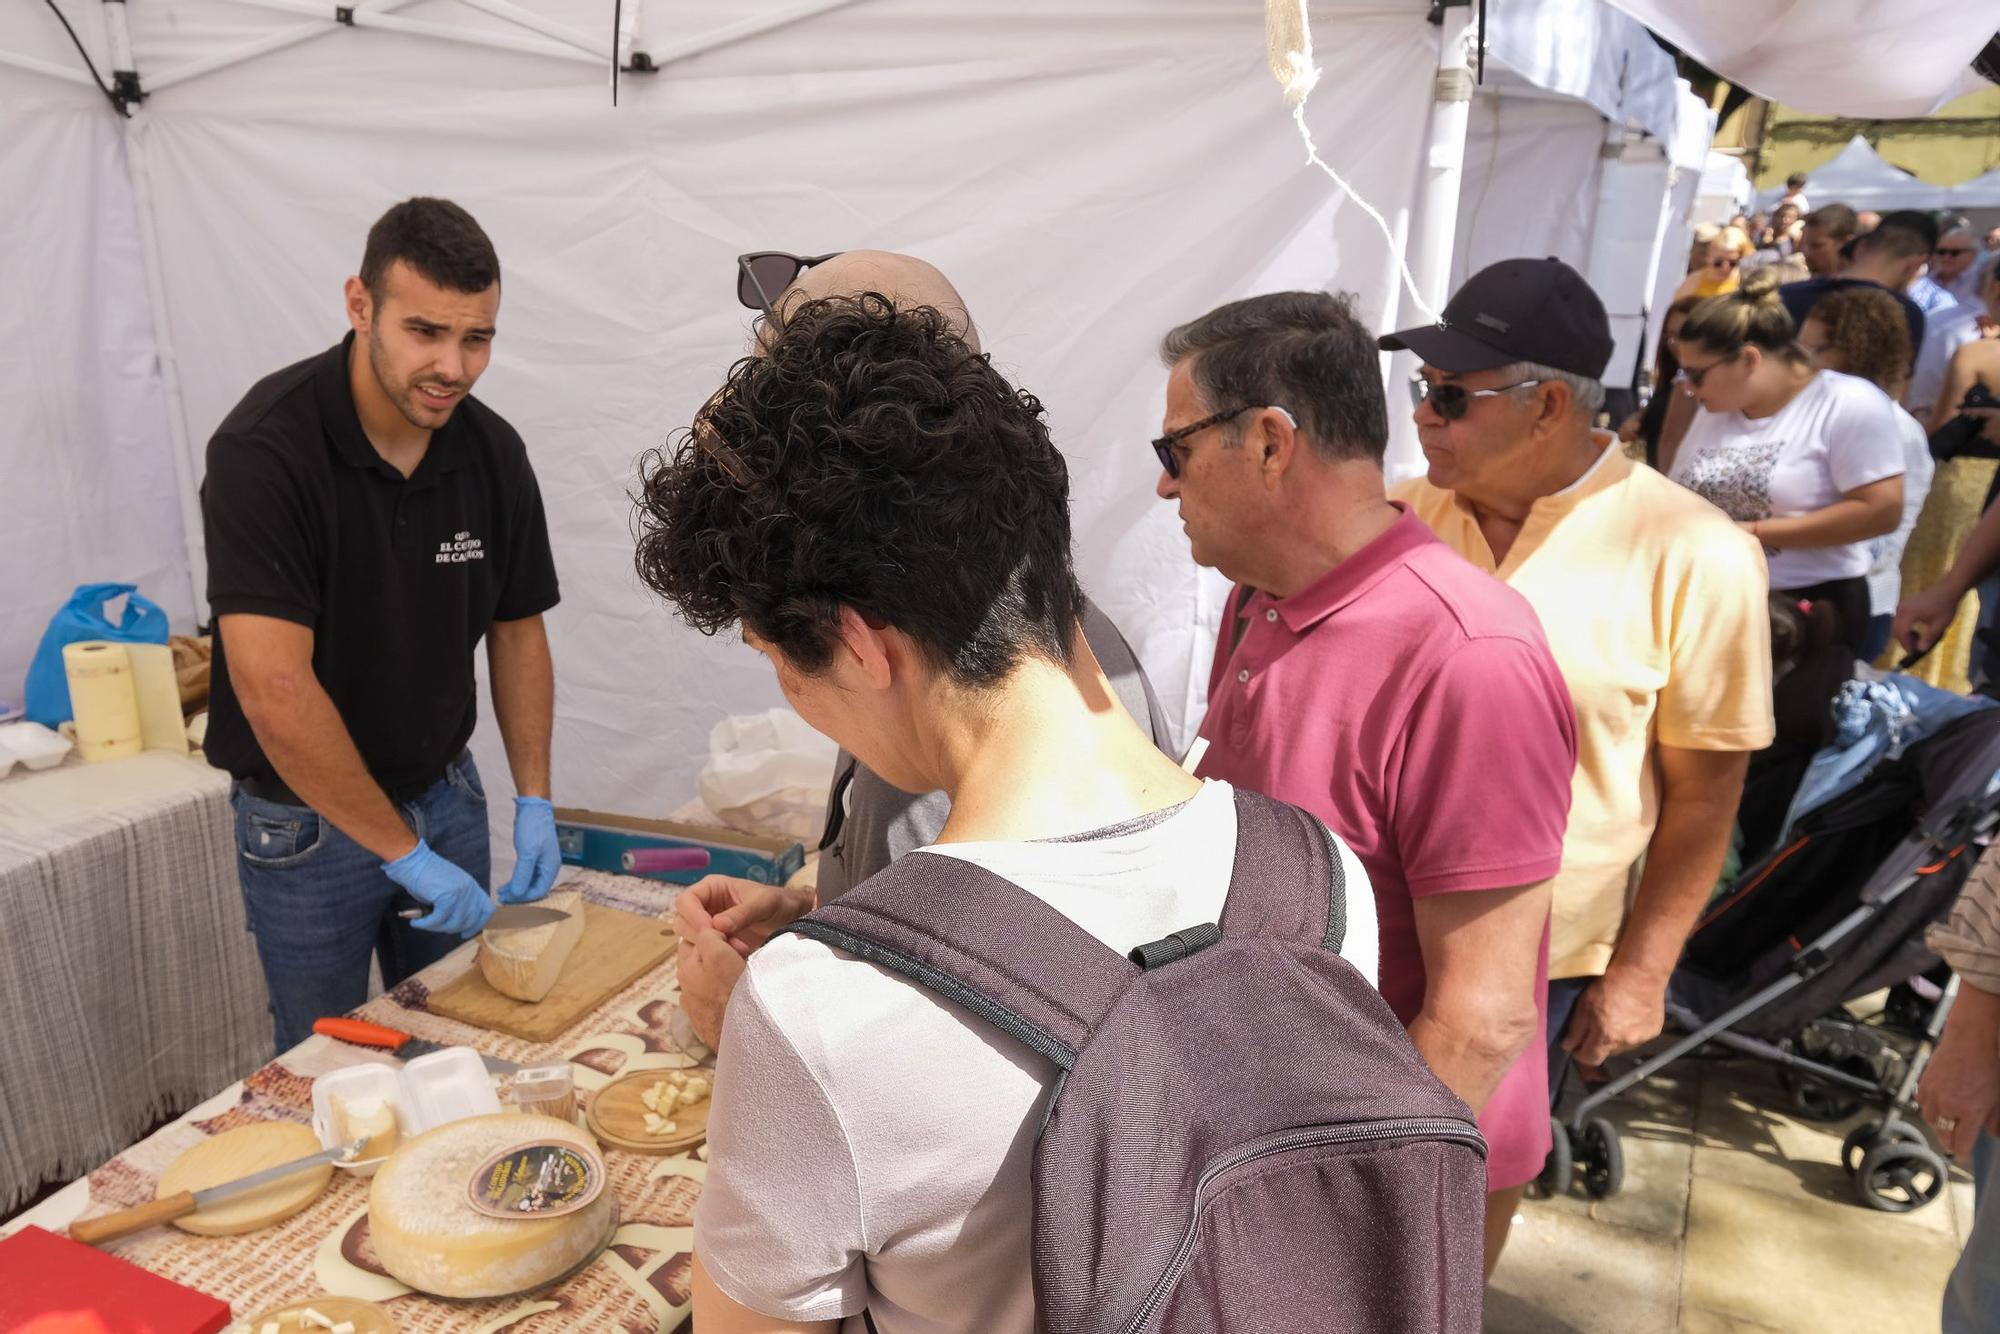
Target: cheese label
[[543, 1179]]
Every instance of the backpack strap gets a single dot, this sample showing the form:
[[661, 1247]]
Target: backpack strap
[[981, 941], [1283, 852]]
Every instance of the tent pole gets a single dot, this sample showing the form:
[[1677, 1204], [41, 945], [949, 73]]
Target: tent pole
[[561, 32], [276, 41], [362, 16], [1444, 159], [138, 167], [54, 71]]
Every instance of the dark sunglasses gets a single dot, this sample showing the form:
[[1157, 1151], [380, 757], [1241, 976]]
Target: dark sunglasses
[[1952, 250], [1168, 445], [1453, 401], [1693, 376], [762, 277]]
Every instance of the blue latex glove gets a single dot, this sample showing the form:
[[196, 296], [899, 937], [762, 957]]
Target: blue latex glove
[[458, 903], [537, 855]]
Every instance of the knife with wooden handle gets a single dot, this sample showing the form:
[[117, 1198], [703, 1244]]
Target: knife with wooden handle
[[109, 1227], [396, 1042]]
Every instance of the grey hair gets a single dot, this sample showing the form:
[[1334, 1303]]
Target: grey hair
[[1586, 393]]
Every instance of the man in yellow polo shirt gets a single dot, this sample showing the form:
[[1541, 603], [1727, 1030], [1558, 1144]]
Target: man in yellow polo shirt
[[1654, 604]]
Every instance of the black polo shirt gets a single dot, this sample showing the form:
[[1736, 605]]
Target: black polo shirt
[[397, 577]]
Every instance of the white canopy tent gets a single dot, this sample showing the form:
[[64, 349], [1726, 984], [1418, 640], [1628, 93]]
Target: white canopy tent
[[1089, 171], [1860, 177]]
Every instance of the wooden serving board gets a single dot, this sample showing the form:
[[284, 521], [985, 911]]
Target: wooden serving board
[[367, 1317], [618, 1118], [238, 1153], [616, 948]]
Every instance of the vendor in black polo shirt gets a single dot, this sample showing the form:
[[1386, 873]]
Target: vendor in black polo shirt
[[368, 522]]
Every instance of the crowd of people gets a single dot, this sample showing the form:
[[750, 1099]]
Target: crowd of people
[[1516, 696]]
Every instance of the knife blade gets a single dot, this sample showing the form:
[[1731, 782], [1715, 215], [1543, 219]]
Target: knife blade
[[109, 1227], [508, 916], [396, 1042]]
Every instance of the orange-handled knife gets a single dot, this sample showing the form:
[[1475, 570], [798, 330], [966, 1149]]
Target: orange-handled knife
[[395, 1041]]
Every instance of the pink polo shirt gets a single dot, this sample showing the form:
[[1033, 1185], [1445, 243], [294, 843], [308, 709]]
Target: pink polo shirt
[[1410, 701]]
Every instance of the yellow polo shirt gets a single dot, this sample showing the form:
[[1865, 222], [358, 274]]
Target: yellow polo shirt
[[1654, 604]]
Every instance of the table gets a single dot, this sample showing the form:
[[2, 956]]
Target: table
[[640, 1283], [129, 982]]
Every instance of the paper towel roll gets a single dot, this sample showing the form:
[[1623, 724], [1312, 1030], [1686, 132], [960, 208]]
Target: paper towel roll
[[104, 700]]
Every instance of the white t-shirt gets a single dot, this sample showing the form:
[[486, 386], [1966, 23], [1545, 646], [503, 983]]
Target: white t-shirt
[[1885, 575], [870, 1142], [1838, 433], [1944, 334]]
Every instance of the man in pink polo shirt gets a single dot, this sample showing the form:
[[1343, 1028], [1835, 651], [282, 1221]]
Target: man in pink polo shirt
[[1365, 672]]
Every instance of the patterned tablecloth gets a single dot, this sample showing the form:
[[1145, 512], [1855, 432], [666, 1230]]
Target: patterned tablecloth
[[130, 985], [639, 1284]]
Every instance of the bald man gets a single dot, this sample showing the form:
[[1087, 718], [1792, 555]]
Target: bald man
[[869, 823]]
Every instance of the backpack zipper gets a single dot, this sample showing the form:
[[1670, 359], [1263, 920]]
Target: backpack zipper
[[1421, 1127]]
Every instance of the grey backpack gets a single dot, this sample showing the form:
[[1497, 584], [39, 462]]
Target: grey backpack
[[1240, 1136]]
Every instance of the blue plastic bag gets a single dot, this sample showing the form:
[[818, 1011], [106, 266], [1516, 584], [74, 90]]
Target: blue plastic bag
[[80, 618]]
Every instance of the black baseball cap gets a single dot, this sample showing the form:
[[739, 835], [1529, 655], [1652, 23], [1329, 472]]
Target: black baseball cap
[[1537, 310]]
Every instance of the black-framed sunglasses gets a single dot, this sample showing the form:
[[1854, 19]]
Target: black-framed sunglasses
[[763, 276], [1168, 446], [1452, 401], [1693, 375]]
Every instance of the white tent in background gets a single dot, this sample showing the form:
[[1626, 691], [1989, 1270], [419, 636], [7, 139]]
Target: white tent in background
[[1858, 176], [1979, 192], [1089, 171]]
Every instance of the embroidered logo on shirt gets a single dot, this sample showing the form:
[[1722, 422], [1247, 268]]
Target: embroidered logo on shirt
[[462, 547]]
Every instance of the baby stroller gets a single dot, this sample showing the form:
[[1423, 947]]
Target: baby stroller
[[1836, 912]]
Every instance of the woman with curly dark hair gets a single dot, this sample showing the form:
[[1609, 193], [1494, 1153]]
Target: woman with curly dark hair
[[1861, 331], [887, 520]]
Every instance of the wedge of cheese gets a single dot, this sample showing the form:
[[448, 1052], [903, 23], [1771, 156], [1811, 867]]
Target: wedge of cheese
[[428, 1235], [527, 963]]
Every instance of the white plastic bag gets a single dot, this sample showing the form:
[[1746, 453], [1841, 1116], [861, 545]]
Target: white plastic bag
[[768, 773]]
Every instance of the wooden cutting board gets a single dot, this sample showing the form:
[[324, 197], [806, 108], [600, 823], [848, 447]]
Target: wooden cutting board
[[238, 1153], [616, 948], [618, 1118], [366, 1317]]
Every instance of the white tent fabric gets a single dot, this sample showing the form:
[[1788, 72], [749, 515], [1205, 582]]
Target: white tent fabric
[[1857, 175], [1089, 174], [1832, 57], [1979, 192]]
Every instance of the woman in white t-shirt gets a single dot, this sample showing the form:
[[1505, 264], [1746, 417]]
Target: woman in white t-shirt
[[1861, 331], [1810, 462]]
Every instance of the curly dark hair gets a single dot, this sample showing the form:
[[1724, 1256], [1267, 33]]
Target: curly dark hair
[[1865, 326], [868, 459]]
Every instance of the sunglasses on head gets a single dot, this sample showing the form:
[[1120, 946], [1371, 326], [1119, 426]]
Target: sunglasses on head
[[1452, 401], [761, 277]]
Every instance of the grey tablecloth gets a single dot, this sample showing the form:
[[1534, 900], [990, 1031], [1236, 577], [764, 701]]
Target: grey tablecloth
[[128, 985]]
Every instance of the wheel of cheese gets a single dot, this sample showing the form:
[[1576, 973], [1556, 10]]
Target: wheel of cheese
[[427, 1234], [526, 963]]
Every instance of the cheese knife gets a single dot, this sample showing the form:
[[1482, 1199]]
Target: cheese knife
[[508, 916], [396, 1042], [109, 1227]]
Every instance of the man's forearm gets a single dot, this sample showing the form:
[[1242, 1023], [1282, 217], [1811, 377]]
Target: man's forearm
[[524, 699], [308, 744], [1470, 1064], [1683, 862]]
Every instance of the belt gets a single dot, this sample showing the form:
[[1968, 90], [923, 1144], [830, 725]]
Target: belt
[[269, 787]]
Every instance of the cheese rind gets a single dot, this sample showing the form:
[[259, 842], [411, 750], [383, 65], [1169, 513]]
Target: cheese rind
[[427, 1234], [526, 963]]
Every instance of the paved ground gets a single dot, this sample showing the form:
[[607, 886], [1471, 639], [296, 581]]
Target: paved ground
[[1735, 1217]]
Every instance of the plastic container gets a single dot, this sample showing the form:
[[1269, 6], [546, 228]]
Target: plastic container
[[31, 745], [426, 1093], [545, 1090]]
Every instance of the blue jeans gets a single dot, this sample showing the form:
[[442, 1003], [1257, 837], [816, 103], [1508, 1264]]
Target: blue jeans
[[319, 905], [1972, 1297]]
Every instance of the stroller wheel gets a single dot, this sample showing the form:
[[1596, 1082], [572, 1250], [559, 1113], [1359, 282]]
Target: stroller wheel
[[1602, 1158], [1558, 1166], [1898, 1177], [1867, 1135]]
